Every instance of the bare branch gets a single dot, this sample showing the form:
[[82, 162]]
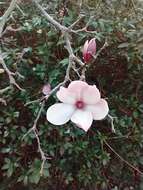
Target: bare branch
[[36, 120], [122, 159], [9, 73], [10, 28], [5, 89], [70, 50], [7, 13], [35, 131], [82, 77], [84, 29], [76, 22], [49, 18], [72, 57], [134, 6], [101, 49], [2, 101], [63, 29], [112, 122], [3, 21]]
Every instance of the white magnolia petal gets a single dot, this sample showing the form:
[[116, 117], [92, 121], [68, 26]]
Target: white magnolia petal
[[82, 119], [91, 95], [60, 113], [84, 51], [77, 87], [92, 46], [77, 84], [99, 110], [64, 95]]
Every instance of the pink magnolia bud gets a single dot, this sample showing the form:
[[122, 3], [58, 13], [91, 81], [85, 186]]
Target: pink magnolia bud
[[89, 50], [46, 89]]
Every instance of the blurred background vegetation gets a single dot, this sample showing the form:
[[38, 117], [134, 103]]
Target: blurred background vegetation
[[80, 161]]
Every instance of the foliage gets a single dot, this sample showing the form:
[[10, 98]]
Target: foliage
[[79, 160]]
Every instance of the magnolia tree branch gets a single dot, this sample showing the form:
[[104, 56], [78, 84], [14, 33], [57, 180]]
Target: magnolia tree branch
[[122, 159], [35, 131], [77, 21], [7, 13], [85, 28], [65, 31], [3, 91], [10, 74], [34, 128], [66, 79], [49, 18], [2, 101], [111, 118], [3, 21], [73, 59], [101, 49]]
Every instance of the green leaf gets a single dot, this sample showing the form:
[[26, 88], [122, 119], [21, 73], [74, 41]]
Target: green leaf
[[124, 45], [35, 177], [64, 62]]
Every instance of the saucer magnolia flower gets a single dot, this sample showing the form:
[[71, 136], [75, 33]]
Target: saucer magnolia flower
[[81, 103], [89, 50]]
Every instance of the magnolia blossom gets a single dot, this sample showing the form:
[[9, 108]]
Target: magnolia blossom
[[89, 50], [81, 103]]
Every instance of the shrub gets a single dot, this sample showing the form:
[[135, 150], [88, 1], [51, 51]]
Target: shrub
[[34, 50]]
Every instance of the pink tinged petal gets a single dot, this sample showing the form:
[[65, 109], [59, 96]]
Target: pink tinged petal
[[89, 50], [77, 87], [85, 48], [86, 56], [59, 114], [99, 110], [77, 84], [91, 95], [64, 95], [82, 119], [92, 47]]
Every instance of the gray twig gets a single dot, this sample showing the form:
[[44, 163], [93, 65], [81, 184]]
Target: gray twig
[[3, 21], [35, 131], [122, 159], [7, 13]]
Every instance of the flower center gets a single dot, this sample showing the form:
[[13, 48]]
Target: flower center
[[80, 104]]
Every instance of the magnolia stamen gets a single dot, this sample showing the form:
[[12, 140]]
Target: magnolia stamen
[[80, 104]]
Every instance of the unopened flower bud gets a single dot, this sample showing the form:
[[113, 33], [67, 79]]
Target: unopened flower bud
[[46, 89], [89, 50]]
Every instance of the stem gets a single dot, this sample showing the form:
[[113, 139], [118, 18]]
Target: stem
[[122, 159], [7, 13]]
